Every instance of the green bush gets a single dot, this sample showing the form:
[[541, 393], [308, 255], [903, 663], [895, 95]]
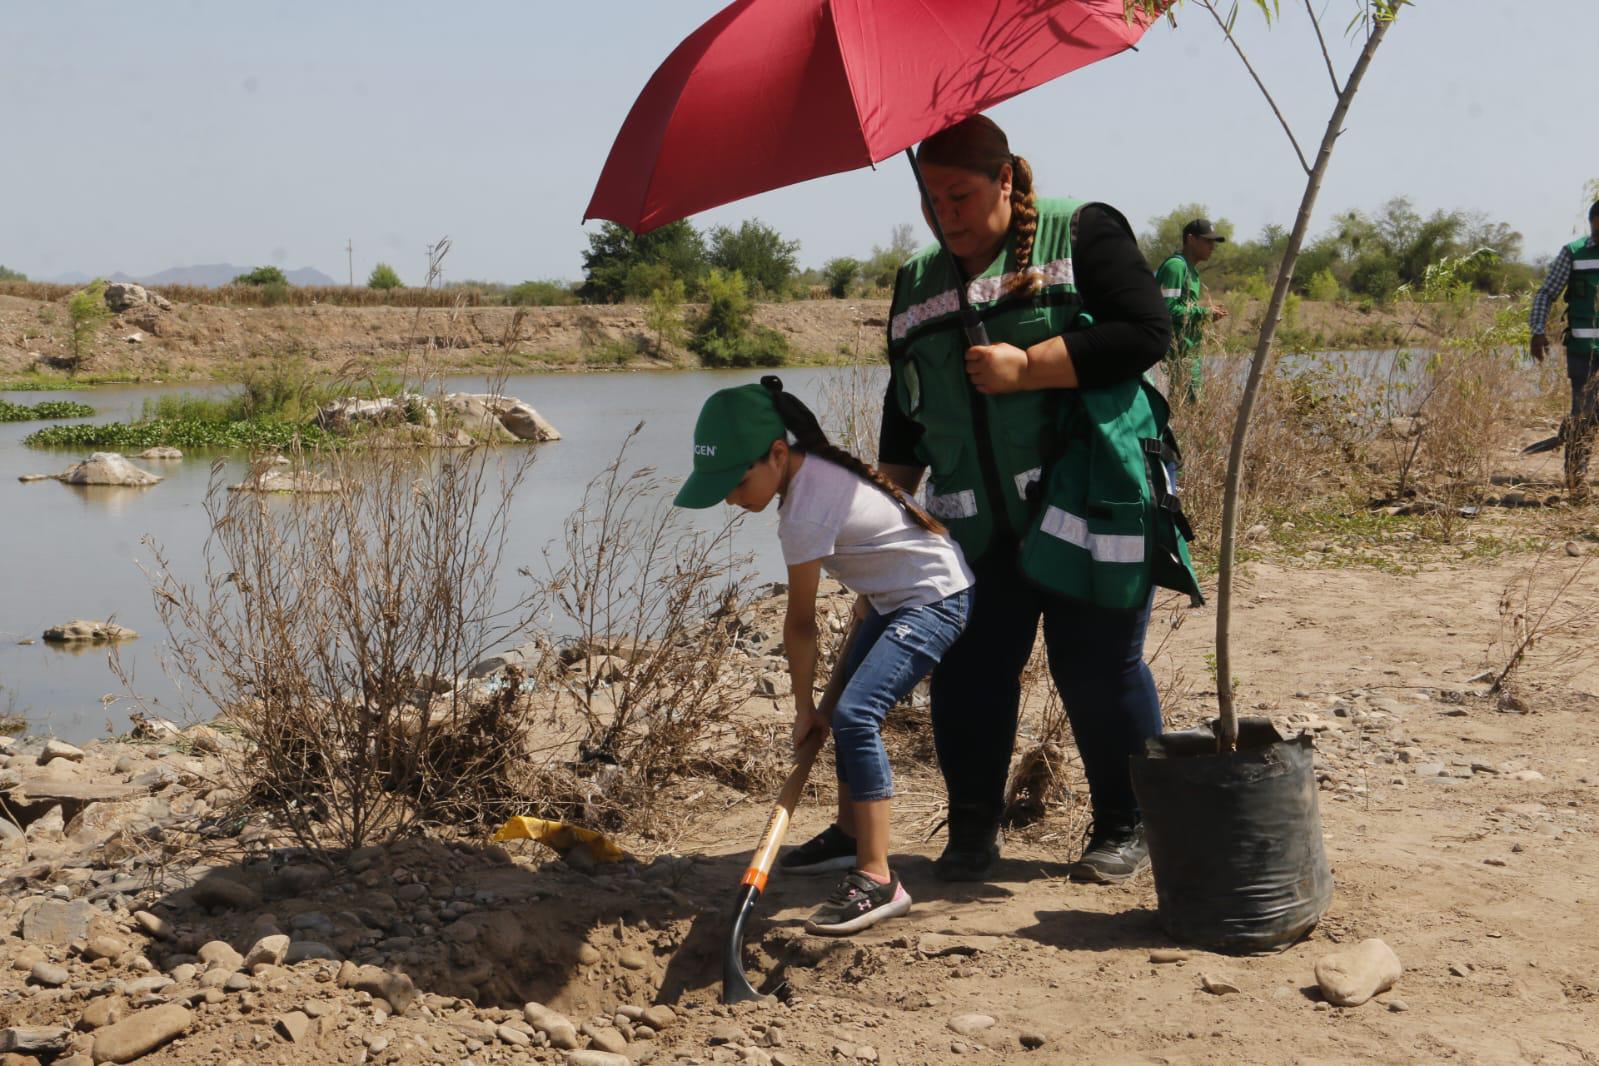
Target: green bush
[[758, 252], [665, 315], [1323, 286], [18, 412], [383, 277], [841, 274], [7, 274], [267, 275], [86, 313], [727, 336], [541, 294]]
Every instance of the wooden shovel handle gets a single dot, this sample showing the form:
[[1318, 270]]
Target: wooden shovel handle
[[766, 852]]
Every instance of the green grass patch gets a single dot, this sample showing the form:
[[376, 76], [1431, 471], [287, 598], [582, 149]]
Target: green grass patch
[[179, 433], [21, 412]]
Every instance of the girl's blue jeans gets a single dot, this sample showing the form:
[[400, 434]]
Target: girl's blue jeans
[[891, 654]]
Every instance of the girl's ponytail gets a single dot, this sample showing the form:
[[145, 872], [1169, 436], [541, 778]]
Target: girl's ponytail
[[810, 438]]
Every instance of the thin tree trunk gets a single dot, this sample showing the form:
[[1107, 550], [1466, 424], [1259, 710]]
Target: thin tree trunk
[[1258, 368]]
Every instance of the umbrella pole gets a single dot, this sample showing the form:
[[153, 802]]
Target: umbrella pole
[[976, 333]]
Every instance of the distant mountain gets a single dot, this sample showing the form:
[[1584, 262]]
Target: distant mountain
[[206, 275]]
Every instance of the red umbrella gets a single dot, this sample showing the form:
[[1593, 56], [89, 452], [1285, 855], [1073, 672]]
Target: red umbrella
[[773, 92]]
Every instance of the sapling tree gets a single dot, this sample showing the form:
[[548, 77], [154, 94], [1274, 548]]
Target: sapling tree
[[1370, 25]]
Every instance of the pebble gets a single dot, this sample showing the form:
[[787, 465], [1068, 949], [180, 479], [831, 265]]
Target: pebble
[[1353, 975], [515, 1037], [49, 975], [1217, 985], [967, 1024], [1161, 956], [31, 1038], [629, 959], [153, 925], [100, 1013], [659, 1017], [269, 950], [104, 947], [141, 1033], [605, 1038], [293, 1026], [596, 1058], [220, 954], [1397, 1005], [588, 955]]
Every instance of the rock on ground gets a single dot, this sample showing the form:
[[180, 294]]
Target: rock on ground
[[1350, 977], [141, 1033], [107, 468]]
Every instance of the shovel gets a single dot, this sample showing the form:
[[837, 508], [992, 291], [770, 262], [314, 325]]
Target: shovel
[[736, 988]]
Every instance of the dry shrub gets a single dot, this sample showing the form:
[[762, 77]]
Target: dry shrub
[[851, 408], [329, 629], [656, 671], [1298, 443], [1546, 617]]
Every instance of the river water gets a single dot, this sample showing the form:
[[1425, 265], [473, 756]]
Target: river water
[[69, 551]]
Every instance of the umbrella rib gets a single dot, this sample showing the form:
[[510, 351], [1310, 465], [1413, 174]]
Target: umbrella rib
[[849, 74]]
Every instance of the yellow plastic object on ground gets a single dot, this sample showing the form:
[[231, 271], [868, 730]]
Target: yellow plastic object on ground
[[561, 837]]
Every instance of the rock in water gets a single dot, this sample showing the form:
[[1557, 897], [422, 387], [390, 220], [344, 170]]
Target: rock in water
[[160, 451], [107, 468], [141, 1033], [1350, 977], [81, 631]]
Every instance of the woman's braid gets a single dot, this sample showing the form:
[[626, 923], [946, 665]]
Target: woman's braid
[[1024, 224]]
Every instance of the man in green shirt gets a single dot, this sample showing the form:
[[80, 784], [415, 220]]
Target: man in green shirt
[[1178, 278]]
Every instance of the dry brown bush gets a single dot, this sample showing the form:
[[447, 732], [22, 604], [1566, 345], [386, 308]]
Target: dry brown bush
[[655, 670], [329, 630]]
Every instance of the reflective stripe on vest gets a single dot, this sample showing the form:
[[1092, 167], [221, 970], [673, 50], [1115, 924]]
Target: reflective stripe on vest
[[1585, 334], [1101, 547], [1585, 264], [1026, 479], [961, 504], [1171, 294], [978, 291]]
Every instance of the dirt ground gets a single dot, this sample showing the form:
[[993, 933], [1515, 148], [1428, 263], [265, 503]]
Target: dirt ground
[[1459, 826]]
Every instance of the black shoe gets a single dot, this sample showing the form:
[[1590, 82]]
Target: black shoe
[[831, 849], [857, 903], [1116, 852], [973, 846]]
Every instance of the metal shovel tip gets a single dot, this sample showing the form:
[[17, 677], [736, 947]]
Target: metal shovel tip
[[736, 988]]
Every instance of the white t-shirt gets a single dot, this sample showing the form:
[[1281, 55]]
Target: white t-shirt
[[865, 539]]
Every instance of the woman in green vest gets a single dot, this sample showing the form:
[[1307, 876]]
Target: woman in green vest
[[1038, 445]]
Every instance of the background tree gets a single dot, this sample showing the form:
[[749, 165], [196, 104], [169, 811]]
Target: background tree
[[86, 313], [7, 274], [840, 275], [262, 275], [621, 265], [878, 271], [383, 276], [757, 251], [665, 315]]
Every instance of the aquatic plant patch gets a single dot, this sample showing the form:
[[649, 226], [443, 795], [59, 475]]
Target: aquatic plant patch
[[178, 433], [21, 412]]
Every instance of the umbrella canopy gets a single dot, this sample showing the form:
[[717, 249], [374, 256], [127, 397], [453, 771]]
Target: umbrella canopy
[[773, 92]]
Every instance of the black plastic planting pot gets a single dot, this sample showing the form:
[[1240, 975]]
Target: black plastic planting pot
[[1235, 840]]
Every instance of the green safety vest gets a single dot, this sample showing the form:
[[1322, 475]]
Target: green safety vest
[[1179, 287], [1112, 522], [987, 454], [1582, 298]]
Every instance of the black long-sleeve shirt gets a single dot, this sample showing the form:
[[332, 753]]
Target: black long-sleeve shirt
[[1130, 334]]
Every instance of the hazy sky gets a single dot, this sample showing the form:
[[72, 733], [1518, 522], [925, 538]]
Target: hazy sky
[[144, 136]]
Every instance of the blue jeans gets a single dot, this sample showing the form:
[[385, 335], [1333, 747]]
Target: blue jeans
[[1096, 657], [892, 652]]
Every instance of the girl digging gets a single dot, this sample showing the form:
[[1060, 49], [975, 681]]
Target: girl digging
[[838, 514]]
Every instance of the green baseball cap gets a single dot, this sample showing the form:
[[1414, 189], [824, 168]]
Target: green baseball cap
[[736, 427]]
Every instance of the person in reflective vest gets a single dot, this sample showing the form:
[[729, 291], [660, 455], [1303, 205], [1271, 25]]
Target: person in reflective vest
[[1178, 278], [1051, 465], [1576, 271]]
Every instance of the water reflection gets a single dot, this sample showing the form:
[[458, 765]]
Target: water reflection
[[75, 551]]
